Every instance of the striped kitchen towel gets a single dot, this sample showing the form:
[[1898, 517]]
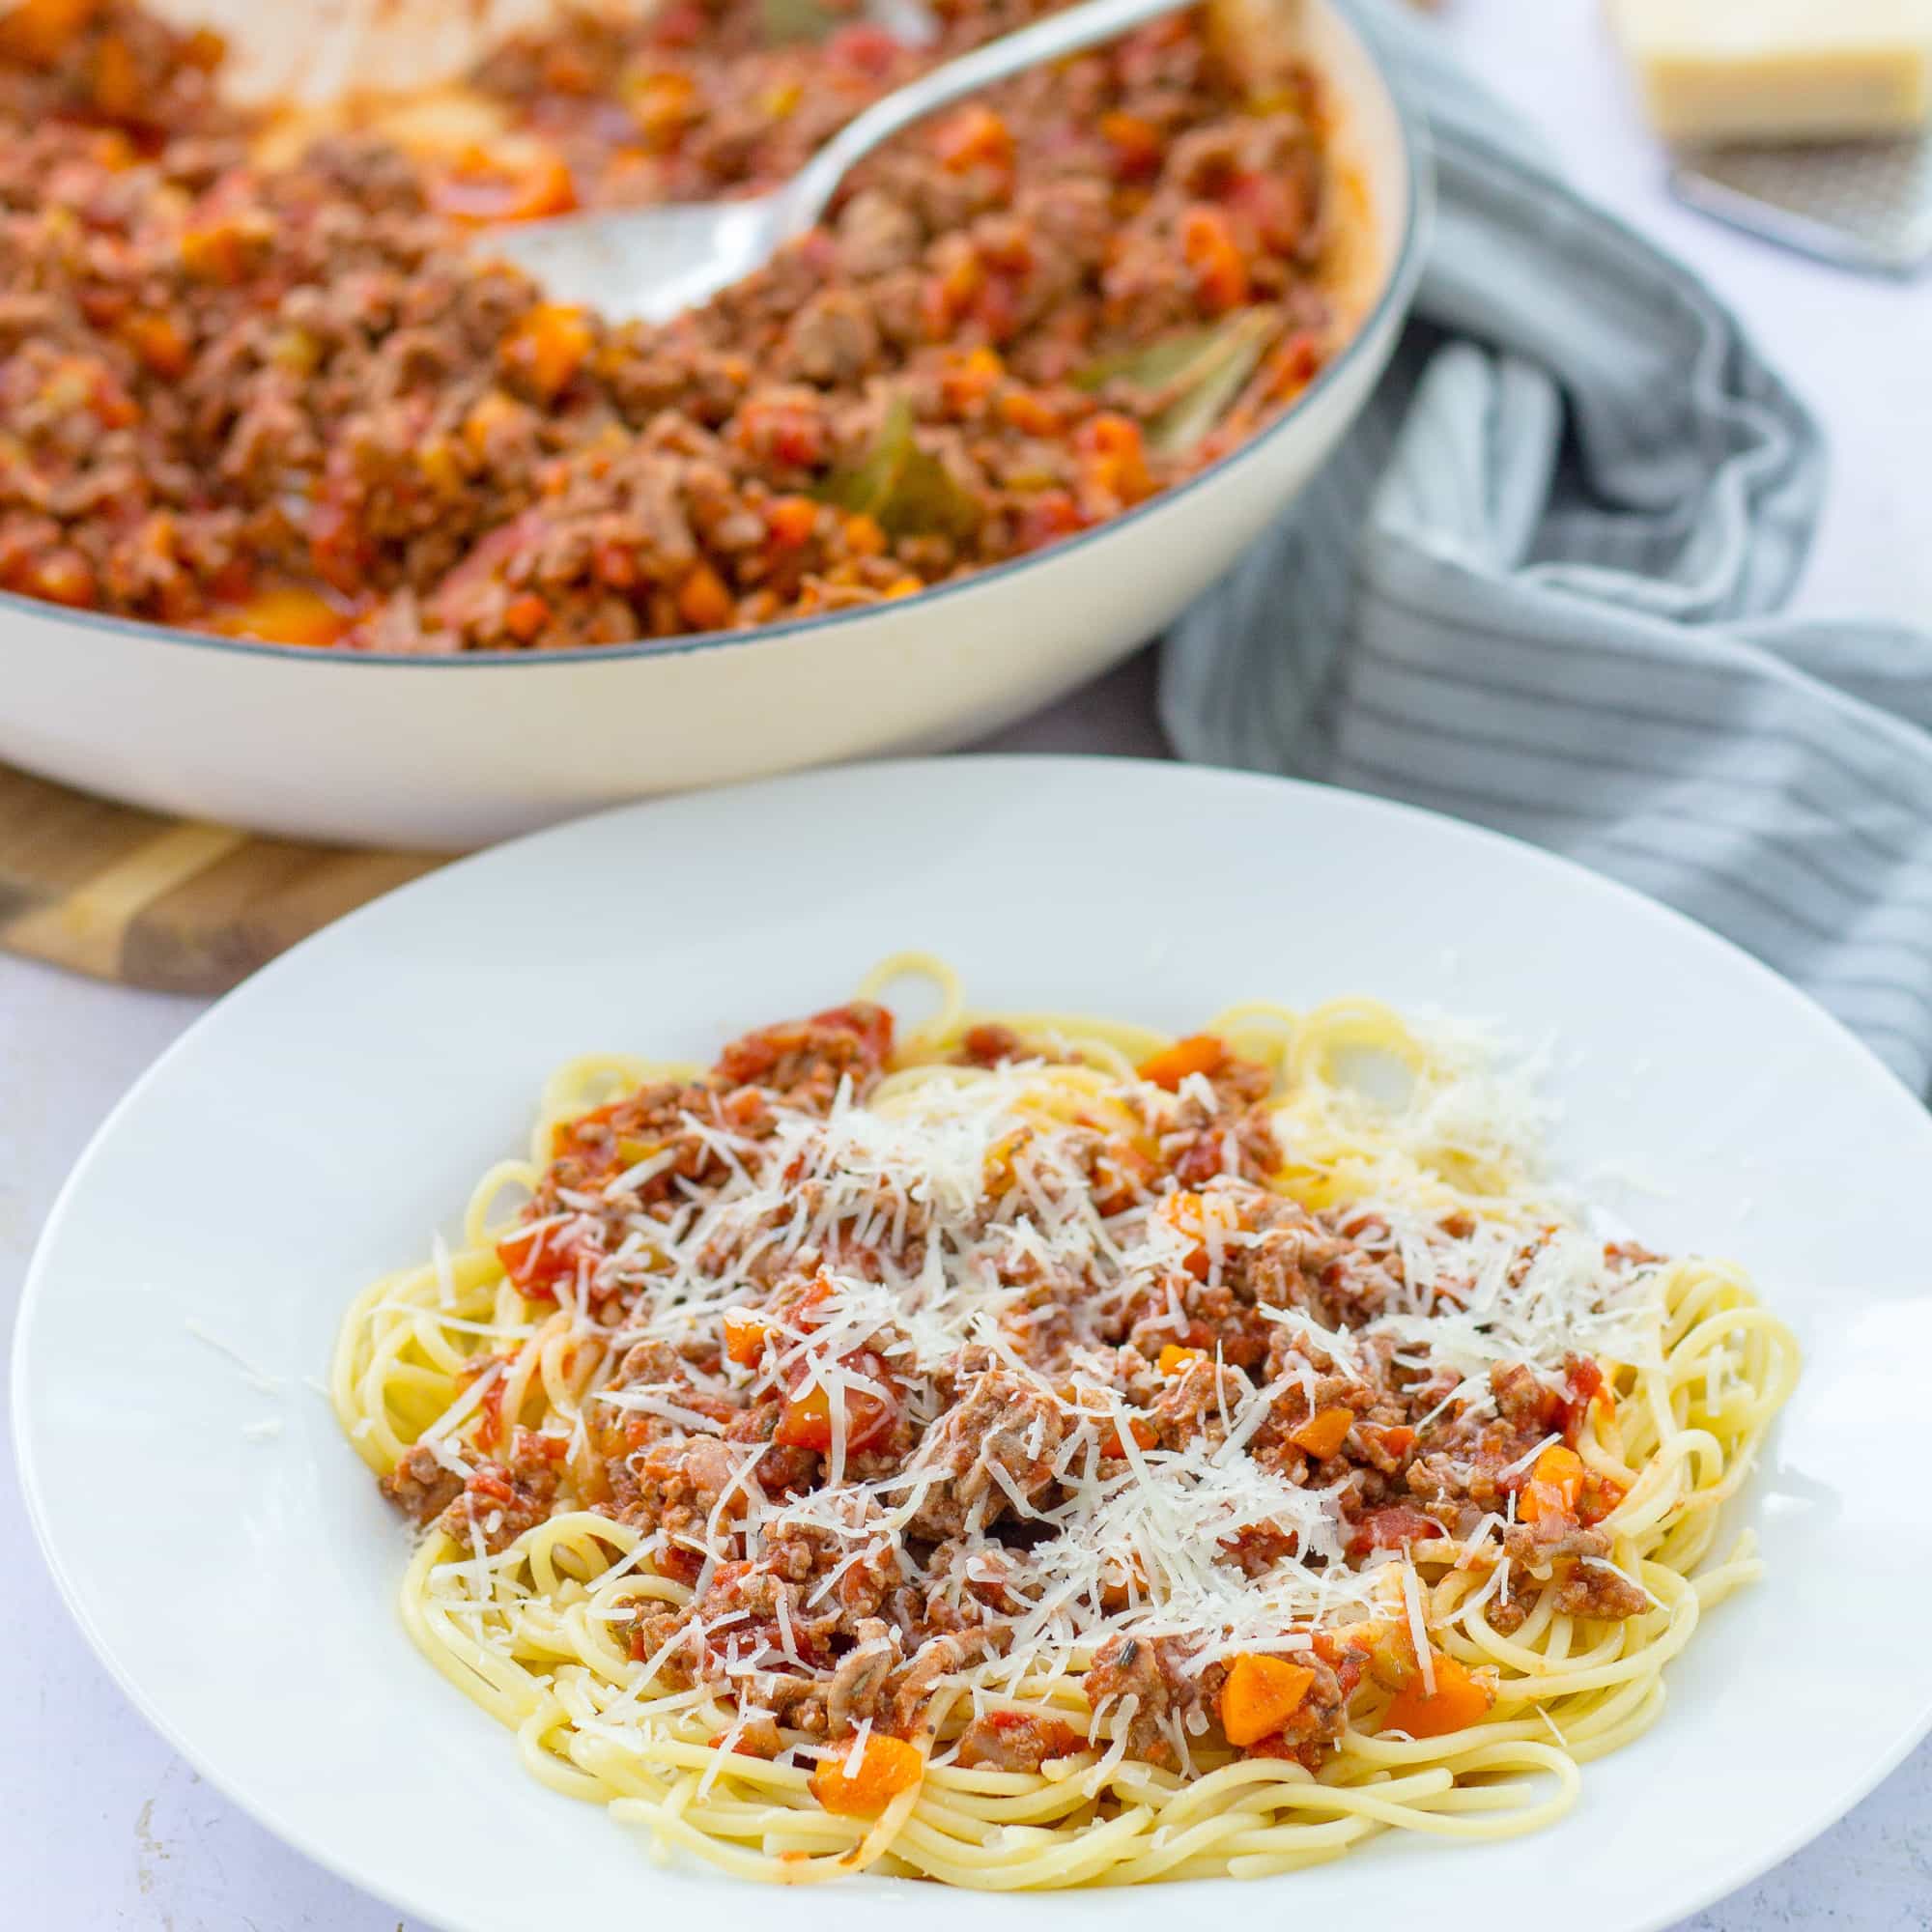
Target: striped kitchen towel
[[1538, 587]]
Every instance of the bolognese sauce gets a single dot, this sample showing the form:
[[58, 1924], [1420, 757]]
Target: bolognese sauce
[[802, 1363], [262, 380]]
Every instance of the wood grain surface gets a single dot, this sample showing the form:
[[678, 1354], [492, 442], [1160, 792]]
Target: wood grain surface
[[152, 902]]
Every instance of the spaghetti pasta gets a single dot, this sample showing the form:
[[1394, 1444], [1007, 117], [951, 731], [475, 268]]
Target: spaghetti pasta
[[1047, 1453]]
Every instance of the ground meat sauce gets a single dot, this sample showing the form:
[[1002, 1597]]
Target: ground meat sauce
[[845, 1559], [291, 401]]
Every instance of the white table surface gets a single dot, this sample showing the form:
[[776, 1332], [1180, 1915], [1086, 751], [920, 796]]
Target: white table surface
[[104, 1826]]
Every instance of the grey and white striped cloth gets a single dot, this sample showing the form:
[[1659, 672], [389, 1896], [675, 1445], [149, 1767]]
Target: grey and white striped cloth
[[1538, 589]]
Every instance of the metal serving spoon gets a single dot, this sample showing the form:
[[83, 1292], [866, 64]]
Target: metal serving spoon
[[650, 262]]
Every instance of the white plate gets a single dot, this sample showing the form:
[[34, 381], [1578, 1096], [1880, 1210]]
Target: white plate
[[314, 1127]]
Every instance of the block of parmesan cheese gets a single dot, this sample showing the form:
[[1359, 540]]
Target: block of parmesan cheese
[[1716, 71]]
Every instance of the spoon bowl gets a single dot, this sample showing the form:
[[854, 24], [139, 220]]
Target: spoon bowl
[[649, 264]]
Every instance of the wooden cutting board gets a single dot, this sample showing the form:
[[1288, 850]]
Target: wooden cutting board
[[152, 902]]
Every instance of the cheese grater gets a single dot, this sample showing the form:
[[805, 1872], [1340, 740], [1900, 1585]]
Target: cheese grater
[[1860, 203]]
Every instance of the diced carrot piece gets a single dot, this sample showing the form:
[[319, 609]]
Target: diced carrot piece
[[950, 293], [159, 341], [1136, 144], [525, 616], [1260, 1696], [1554, 1485], [217, 254], [1199, 1214], [1143, 1434], [807, 1421], [1322, 1435], [663, 103], [904, 587], [547, 347], [491, 414], [973, 138], [886, 1767], [1115, 462], [791, 521], [527, 185], [116, 80], [41, 31], [286, 615], [1220, 271], [969, 379], [1175, 1360], [780, 102], [744, 1339], [1029, 413], [1458, 1700], [863, 536], [703, 601], [60, 577], [1198, 1053]]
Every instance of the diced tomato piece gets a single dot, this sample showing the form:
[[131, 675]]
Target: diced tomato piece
[[489, 1413], [338, 547], [1390, 1528], [678, 26], [1272, 207], [1586, 1385], [1048, 516], [536, 1260], [783, 431], [806, 1420], [1292, 367], [863, 49]]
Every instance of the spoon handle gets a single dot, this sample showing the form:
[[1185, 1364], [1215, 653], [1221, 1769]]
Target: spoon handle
[[1046, 41]]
